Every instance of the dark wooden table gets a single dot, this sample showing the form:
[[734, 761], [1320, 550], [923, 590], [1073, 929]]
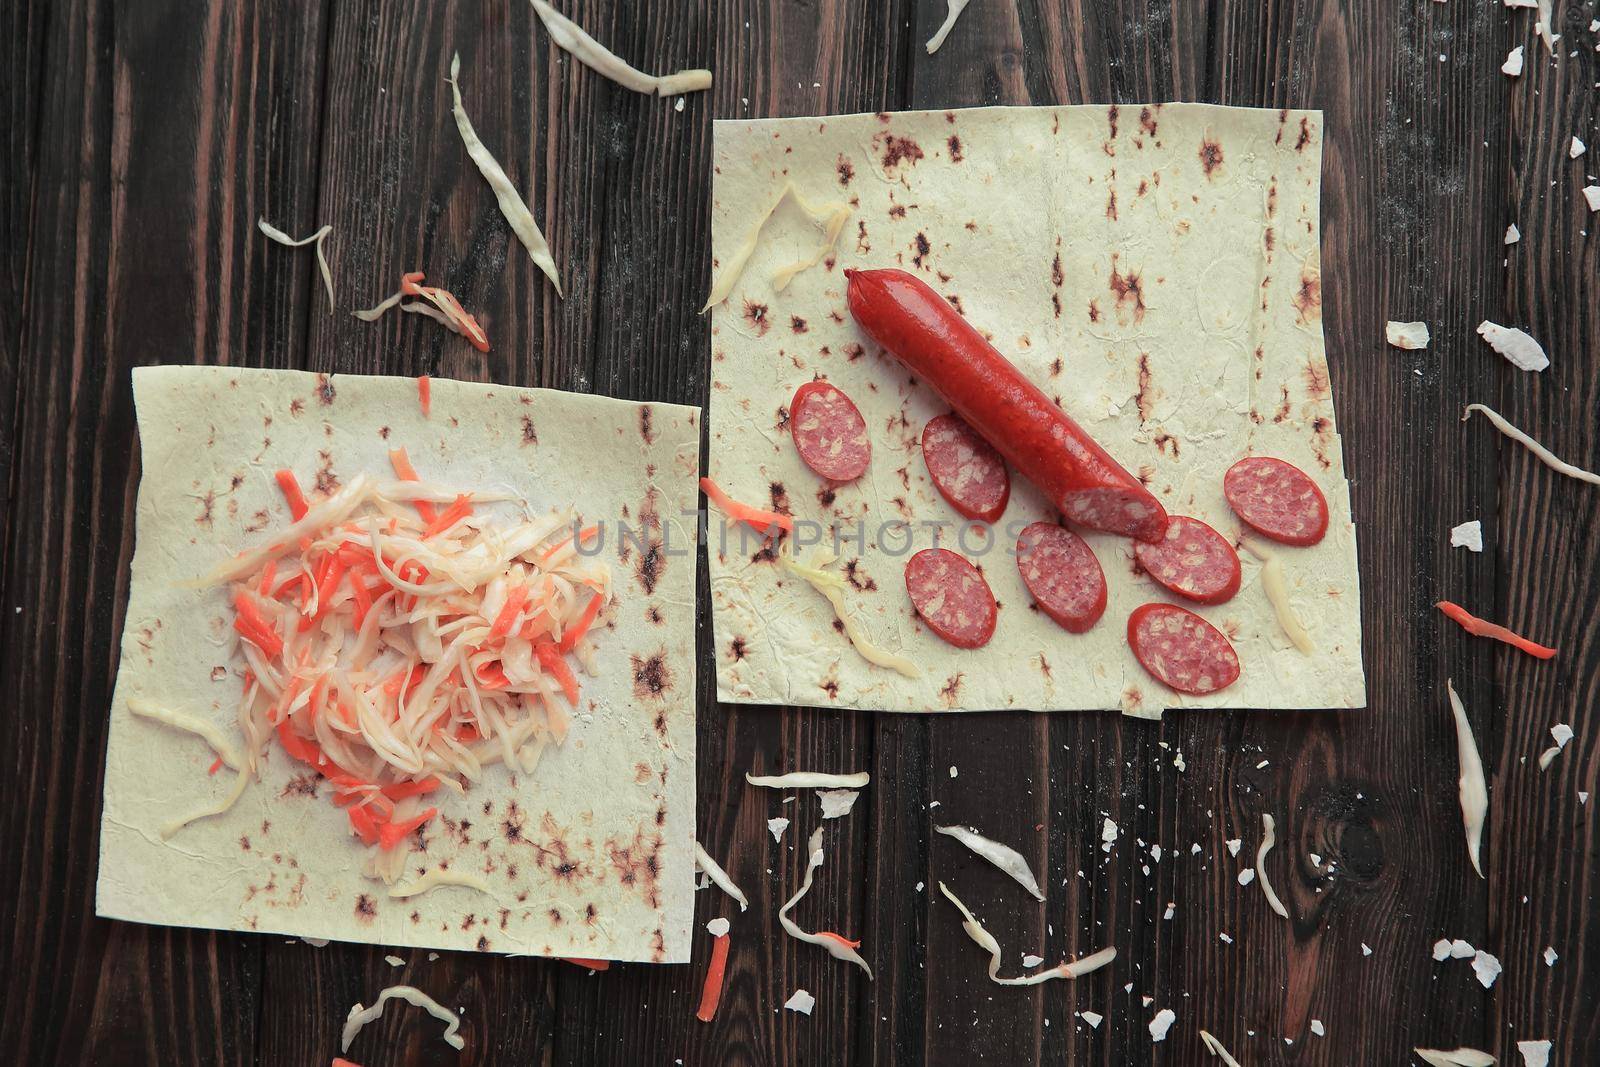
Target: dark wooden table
[[143, 139]]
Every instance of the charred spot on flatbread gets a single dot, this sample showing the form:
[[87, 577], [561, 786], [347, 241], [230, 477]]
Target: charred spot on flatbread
[[797, 324], [1144, 400], [1316, 379], [845, 169], [1284, 406], [653, 615], [1044, 664], [1163, 441], [854, 351], [652, 678], [830, 686], [862, 244], [530, 436], [1210, 156], [651, 563], [950, 692], [1129, 290], [1321, 435], [296, 406], [511, 825], [1055, 367], [553, 854], [327, 481], [646, 429], [300, 785], [954, 144], [325, 391], [826, 496], [1308, 299], [856, 575], [1111, 206], [207, 503], [366, 909], [1305, 135], [1147, 121], [756, 315], [638, 863], [922, 247], [896, 150], [1113, 113]]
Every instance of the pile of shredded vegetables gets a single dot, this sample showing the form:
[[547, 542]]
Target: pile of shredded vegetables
[[397, 641]]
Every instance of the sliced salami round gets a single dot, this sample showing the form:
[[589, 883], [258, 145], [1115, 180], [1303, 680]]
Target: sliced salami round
[[1192, 560], [951, 597], [1277, 500], [965, 468], [829, 432], [1062, 575], [1182, 650]]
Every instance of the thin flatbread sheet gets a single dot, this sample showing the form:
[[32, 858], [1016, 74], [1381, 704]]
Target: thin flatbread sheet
[[591, 855], [1154, 269]]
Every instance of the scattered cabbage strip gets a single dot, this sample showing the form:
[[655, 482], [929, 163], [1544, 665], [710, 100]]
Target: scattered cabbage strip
[[809, 780], [1408, 335], [955, 8], [1268, 839], [837, 947], [1483, 628], [1545, 456], [441, 876], [315, 239], [1004, 857], [511, 203], [206, 731], [831, 586], [1474, 789], [703, 860], [1534, 1053], [571, 38], [240, 780], [446, 309], [1214, 1047], [1277, 590], [985, 940], [711, 993], [831, 216], [360, 1016], [837, 802], [1520, 349], [1461, 1057]]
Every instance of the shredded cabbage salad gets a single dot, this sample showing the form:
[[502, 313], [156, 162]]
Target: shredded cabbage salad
[[398, 641]]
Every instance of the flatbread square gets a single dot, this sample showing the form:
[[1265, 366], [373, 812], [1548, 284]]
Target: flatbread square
[[591, 855], [1154, 269]]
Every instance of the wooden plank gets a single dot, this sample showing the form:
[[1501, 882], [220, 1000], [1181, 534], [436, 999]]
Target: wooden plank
[[1545, 532], [21, 89], [103, 214]]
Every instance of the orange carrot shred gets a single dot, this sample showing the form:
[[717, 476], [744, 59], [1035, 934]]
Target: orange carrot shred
[[711, 995], [583, 535], [758, 520], [845, 941], [253, 627], [593, 965], [425, 394], [407, 473], [391, 834], [362, 822], [515, 598], [446, 302], [570, 639], [401, 790], [269, 571], [550, 659], [215, 766], [1483, 628], [291, 492], [340, 1061], [460, 509]]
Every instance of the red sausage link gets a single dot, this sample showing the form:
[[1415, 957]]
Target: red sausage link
[[1277, 500], [1181, 649], [1192, 560], [951, 596], [1062, 575], [829, 432], [965, 468], [1041, 441]]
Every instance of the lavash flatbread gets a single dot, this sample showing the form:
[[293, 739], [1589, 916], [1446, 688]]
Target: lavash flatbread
[[1154, 268], [591, 855]]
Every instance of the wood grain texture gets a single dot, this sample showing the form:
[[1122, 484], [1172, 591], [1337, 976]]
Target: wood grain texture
[[143, 140]]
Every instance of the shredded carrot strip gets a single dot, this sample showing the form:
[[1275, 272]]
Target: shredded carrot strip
[[269, 571], [508, 614], [362, 822], [216, 766], [446, 302], [711, 995], [1483, 628], [363, 598], [291, 492], [593, 965], [401, 790], [407, 473], [570, 639], [253, 627], [391, 834], [550, 658], [460, 509], [755, 518], [425, 394], [538, 623], [839, 938], [339, 1061]]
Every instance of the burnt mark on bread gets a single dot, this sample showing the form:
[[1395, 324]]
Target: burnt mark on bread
[[954, 144], [647, 428], [1210, 156], [652, 678], [1129, 290], [756, 315]]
